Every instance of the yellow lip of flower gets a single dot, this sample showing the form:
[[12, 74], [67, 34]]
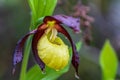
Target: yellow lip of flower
[[51, 49], [53, 54]]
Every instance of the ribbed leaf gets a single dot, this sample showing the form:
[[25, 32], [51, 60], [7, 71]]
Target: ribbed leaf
[[35, 73], [41, 8], [108, 62]]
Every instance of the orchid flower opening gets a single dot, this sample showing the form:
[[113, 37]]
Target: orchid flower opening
[[48, 48]]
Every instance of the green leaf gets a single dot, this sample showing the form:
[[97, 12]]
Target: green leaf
[[35, 73], [108, 62], [41, 8]]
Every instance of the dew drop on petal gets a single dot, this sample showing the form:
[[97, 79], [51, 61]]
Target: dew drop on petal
[[43, 72]]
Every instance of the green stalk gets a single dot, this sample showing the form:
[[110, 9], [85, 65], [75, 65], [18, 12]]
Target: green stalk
[[25, 59]]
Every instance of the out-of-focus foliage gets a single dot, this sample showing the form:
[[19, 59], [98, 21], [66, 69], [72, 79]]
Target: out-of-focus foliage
[[9, 2], [108, 62]]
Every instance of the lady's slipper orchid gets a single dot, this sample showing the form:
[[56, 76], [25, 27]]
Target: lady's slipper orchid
[[47, 47]]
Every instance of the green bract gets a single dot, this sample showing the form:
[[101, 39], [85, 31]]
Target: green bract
[[108, 62]]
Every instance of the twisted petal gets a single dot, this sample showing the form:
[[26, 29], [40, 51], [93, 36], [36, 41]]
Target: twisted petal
[[19, 49], [40, 31], [75, 56], [71, 22]]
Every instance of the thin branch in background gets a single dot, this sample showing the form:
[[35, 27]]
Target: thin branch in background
[[81, 11]]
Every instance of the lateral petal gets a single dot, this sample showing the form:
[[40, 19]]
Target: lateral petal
[[75, 56], [40, 31], [19, 49]]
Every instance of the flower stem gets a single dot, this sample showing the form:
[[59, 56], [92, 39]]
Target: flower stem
[[25, 59]]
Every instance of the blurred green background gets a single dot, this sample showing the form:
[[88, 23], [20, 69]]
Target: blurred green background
[[15, 20]]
